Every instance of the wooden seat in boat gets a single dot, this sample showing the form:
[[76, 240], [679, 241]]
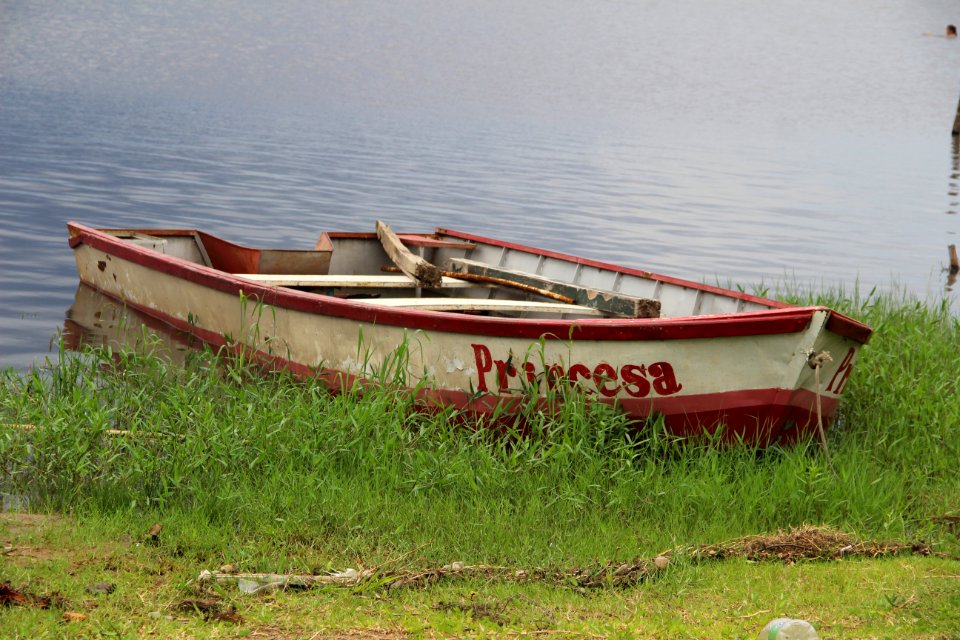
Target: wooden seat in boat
[[347, 281], [481, 304]]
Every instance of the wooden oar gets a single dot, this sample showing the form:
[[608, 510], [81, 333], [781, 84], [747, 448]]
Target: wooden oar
[[608, 301], [476, 277]]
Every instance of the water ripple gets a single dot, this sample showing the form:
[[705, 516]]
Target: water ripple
[[608, 130]]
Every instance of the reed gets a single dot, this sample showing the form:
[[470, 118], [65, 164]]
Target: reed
[[288, 476]]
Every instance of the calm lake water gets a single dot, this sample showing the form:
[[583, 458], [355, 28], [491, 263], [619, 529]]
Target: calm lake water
[[745, 143]]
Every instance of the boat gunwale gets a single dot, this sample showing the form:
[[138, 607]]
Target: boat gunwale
[[783, 319]]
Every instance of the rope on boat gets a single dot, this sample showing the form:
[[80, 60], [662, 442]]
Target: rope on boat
[[815, 361]]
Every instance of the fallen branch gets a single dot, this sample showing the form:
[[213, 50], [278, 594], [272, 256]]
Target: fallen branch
[[24, 426], [612, 575], [802, 543], [347, 578], [125, 433]]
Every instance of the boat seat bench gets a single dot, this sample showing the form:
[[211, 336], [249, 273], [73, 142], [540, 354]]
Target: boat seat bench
[[348, 281], [480, 304], [404, 282]]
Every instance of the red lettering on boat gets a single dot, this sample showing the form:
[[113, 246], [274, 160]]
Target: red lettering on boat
[[664, 381], [602, 374], [577, 372], [505, 371], [531, 370], [484, 358], [843, 373], [554, 375], [635, 380]]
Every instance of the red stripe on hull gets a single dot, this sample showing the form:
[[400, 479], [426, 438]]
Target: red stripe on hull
[[761, 417]]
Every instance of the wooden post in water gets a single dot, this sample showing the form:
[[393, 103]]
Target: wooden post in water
[[954, 261], [956, 122]]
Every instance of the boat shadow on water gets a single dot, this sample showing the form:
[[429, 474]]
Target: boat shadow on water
[[96, 321]]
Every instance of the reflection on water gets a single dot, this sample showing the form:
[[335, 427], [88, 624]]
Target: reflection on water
[[95, 320], [954, 267], [954, 189], [954, 192]]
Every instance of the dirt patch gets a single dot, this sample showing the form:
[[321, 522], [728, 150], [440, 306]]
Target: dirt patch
[[29, 553], [804, 543], [210, 609], [495, 612], [271, 632], [362, 634], [18, 523], [15, 525], [11, 597]]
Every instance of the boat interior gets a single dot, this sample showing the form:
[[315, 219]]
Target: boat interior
[[446, 271]]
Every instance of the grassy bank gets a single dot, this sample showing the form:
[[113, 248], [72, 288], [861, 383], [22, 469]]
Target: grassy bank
[[276, 475], [908, 597]]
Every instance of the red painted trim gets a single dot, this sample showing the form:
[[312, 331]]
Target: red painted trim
[[427, 240], [783, 320], [229, 257], [848, 328], [735, 402], [757, 416]]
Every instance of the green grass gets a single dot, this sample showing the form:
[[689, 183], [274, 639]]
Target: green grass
[[277, 475], [908, 597]]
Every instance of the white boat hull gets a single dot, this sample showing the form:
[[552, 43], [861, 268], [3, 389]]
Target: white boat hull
[[747, 372]]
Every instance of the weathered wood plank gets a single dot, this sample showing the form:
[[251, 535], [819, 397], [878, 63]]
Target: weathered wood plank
[[480, 304], [606, 301], [414, 266], [489, 281], [413, 240], [356, 281]]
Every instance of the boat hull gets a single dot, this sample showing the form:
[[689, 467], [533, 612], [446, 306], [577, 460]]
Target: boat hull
[[746, 372]]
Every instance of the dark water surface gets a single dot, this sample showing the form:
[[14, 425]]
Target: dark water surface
[[747, 144]]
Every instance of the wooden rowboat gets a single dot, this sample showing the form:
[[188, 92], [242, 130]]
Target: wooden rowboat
[[482, 325]]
